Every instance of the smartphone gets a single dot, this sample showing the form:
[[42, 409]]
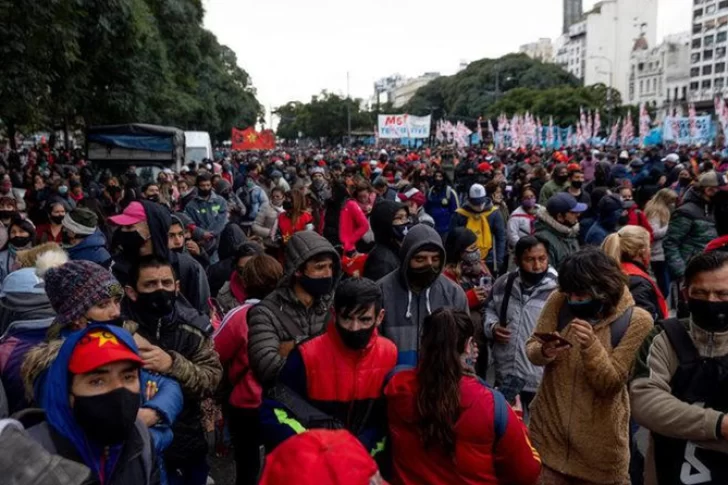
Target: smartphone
[[552, 337]]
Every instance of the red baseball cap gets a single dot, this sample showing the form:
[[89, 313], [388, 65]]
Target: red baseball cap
[[321, 457], [133, 214], [98, 348]]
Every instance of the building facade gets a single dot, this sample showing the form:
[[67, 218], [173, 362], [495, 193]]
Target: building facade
[[660, 75], [709, 39], [541, 50], [407, 90], [570, 50], [573, 10]]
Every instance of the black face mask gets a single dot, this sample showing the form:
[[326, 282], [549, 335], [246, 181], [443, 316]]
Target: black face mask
[[4, 215], [532, 279], [711, 316], [585, 310], [356, 339], [107, 419], [180, 249], [577, 185], [401, 231], [157, 304], [130, 242], [422, 277], [684, 182], [153, 198], [316, 287], [19, 241], [204, 193], [56, 219]]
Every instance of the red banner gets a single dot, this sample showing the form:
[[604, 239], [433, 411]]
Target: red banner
[[249, 139]]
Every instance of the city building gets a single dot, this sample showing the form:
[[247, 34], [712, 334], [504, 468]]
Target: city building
[[708, 51], [570, 50], [407, 90], [612, 29], [660, 75], [541, 50], [384, 88], [573, 11]]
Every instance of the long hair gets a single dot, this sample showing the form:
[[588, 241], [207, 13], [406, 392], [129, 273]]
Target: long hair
[[298, 202], [658, 207], [444, 336], [592, 271], [625, 245]]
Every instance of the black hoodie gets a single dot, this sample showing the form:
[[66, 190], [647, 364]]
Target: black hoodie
[[384, 258], [231, 238], [192, 278]]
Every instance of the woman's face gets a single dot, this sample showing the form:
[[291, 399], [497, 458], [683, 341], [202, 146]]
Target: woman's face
[[58, 211], [400, 217], [17, 231]]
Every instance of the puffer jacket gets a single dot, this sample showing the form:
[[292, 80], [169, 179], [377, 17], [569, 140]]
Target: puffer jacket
[[580, 416], [91, 248], [562, 240], [520, 224], [442, 202], [691, 228], [353, 225], [523, 312], [405, 310], [657, 409], [266, 331], [264, 222], [384, 257], [491, 442]]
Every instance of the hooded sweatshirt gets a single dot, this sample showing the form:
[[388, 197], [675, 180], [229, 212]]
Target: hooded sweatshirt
[[384, 257], [406, 310], [231, 239], [267, 332], [91, 248]]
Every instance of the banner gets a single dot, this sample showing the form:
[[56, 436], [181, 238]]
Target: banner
[[687, 130], [404, 126], [249, 139]]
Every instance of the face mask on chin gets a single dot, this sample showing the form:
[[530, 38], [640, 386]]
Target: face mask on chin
[[532, 279]]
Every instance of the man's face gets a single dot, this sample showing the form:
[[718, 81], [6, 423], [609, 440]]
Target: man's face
[[424, 259], [710, 286], [577, 177], [204, 186], [143, 229], [105, 379], [364, 319], [317, 176], [535, 260], [438, 178], [176, 236], [569, 219], [105, 310], [153, 279], [152, 190], [319, 268], [562, 174], [400, 217]]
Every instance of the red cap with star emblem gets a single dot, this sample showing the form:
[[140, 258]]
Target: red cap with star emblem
[[98, 348]]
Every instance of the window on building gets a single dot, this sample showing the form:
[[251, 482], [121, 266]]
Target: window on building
[[685, 92], [721, 37], [641, 66], [710, 9], [719, 67], [698, 2], [659, 84], [707, 70], [698, 13], [694, 72], [695, 58], [723, 4], [720, 52], [708, 40], [706, 84], [707, 55], [697, 43], [719, 83], [694, 86], [642, 87], [697, 28]]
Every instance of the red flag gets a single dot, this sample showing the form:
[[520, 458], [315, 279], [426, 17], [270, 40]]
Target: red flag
[[249, 139]]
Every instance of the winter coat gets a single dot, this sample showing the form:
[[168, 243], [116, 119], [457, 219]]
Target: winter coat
[[659, 231], [231, 343], [185, 335], [524, 309], [491, 217], [210, 214], [521, 224], [491, 442], [562, 240], [91, 248], [441, 204], [691, 228], [253, 199], [405, 311], [580, 416], [267, 332], [550, 189], [597, 234], [657, 409], [353, 224], [384, 257], [265, 220], [345, 384], [218, 274]]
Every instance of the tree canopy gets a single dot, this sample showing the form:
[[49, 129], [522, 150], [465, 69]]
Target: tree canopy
[[75, 62]]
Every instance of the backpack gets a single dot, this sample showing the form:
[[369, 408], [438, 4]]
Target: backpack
[[617, 328]]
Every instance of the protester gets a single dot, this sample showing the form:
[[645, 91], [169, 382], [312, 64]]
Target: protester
[[480, 216], [609, 213], [253, 198], [175, 341], [558, 224], [678, 392], [21, 235], [634, 216], [447, 424], [658, 212], [442, 202], [208, 210], [233, 293], [464, 267], [82, 238], [580, 415], [267, 216], [51, 232], [259, 276], [294, 218], [390, 223], [415, 201], [575, 187], [511, 314], [181, 239], [522, 221], [558, 182], [353, 222], [231, 240], [416, 290], [297, 309]]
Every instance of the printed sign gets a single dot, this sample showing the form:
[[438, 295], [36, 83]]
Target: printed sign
[[404, 126]]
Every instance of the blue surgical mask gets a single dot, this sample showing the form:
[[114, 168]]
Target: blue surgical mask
[[63, 189]]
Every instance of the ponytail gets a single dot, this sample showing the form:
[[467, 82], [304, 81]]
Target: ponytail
[[624, 246], [612, 247]]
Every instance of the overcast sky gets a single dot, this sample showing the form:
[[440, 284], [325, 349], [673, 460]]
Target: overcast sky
[[295, 48]]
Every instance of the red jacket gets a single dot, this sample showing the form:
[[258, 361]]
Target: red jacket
[[636, 217], [631, 269], [231, 343], [481, 457], [353, 224], [286, 227]]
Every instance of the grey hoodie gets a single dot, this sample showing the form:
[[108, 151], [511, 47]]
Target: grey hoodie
[[266, 331], [405, 310]]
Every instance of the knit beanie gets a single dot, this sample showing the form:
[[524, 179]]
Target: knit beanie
[[81, 222], [77, 286]]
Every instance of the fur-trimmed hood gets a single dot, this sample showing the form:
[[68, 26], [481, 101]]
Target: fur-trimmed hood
[[555, 226]]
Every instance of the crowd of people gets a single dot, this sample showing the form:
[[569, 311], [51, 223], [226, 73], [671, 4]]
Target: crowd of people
[[366, 316]]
